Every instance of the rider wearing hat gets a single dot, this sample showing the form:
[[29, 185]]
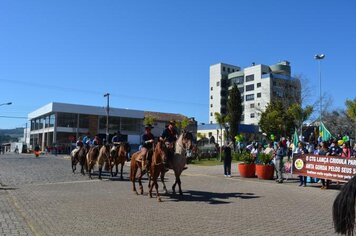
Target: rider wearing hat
[[170, 134], [147, 144], [117, 139]]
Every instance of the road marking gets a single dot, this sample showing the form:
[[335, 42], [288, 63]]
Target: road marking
[[23, 215]]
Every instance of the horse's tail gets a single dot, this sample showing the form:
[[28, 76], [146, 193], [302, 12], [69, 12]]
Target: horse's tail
[[132, 168], [344, 209]]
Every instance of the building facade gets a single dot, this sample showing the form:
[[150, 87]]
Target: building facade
[[60, 124], [258, 85]]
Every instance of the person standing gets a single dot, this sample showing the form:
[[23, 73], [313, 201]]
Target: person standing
[[227, 159], [279, 161]]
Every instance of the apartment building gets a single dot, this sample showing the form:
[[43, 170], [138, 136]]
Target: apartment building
[[258, 85]]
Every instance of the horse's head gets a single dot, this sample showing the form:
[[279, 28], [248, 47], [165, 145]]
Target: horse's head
[[187, 140]]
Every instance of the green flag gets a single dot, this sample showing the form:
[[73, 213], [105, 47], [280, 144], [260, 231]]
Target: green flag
[[295, 140], [324, 133]]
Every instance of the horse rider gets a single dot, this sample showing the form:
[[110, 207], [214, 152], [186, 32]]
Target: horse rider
[[147, 144], [86, 140], [117, 139], [96, 141], [169, 136], [78, 145]]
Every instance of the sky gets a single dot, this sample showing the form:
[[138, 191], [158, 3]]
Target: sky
[[155, 55]]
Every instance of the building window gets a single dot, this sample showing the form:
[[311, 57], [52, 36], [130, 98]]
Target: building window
[[233, 70], [274, 83], [211, 97], [211, 114], [250, 77], [258, 95], [228, 70], [250, 97], [241, 89], [223, 68], [250, 87], [67, 120], [242, 117], [258, 85], [252, 105], [252, 115], [218, 83], [211, 89], [211, 105]]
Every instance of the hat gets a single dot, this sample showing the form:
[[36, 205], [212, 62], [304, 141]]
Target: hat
[[148, 126]]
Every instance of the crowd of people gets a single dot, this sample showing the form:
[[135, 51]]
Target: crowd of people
[[284, 149]]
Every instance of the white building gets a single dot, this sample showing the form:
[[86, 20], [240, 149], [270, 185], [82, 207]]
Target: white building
[[258, 85]]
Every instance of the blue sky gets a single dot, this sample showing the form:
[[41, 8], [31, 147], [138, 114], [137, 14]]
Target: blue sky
[[155, 55]]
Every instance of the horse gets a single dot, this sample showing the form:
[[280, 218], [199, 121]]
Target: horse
[[157, 167], [92, 157], [136, 165], [79, 156], [344, 209], [178, 160], [118, 155], [103, 157]]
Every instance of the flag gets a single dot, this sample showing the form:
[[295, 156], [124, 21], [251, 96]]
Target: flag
[[324, 133], [295, 140]]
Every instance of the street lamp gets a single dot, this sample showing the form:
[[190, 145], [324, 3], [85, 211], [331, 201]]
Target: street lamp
[[320, 57], [107, 117], [7, 103]]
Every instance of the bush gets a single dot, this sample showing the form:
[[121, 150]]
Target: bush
[[245, 157], [264, 158]]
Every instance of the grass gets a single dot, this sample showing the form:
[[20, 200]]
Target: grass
[[206, 162]]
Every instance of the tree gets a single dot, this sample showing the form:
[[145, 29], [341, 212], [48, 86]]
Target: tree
[[298, 114], [181, 125], [275, 120], [221, 120], [234, 111], [351, 111], [149, 120]]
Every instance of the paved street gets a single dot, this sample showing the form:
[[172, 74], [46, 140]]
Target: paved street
[[40, 196]]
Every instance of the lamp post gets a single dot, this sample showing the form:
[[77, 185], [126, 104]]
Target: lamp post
[[320, 57], [107, 95], [7, 103]]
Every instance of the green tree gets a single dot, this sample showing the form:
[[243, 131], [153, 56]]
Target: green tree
[[275, 120], [351, 111], [149, 120], [299, 115], [234, 111], [181, 125]]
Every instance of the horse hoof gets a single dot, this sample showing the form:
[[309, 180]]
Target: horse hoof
[[159, 199]]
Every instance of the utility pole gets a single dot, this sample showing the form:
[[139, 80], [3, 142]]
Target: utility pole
[[107, 95]]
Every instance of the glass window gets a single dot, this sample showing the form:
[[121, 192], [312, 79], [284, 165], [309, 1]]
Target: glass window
[[52, 120], [211, 114], [228, 70], [223, 68], [258, 95], [252, 115], [211, 88], [250, 77], [241, 89], [252, 105], [211, 97], [130, 124], [67, 120], [250, 87], [250, 97], [217, 83], [83, 121], [258, 85]]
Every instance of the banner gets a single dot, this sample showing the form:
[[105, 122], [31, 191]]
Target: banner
[[324, 167], [295, 140]]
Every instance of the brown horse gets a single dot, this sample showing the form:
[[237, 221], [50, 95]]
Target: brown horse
[[92, 157], [103, 157], [157, 167], [81, 158], [136, 165], [118, 155]]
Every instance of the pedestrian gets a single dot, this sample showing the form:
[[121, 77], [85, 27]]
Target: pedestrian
[[279, 161], [227, 159], [302, 150]]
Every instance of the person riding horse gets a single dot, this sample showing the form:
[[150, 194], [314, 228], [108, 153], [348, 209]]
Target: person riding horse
[[78, 145], [147, 144]]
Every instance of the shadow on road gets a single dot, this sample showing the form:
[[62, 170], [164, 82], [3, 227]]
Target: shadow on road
[[210, 197]]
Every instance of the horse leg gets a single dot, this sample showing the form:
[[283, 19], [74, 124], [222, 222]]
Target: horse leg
[[89, 170], [150, 187], [117, 168], [179, 185], [164, 184], [100, 170], [140, 182], [133, 172], [122, 167], [157, 193]]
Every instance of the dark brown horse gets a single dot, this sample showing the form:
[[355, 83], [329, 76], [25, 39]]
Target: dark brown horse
[[79, 157], [157, 167], [118, 155]]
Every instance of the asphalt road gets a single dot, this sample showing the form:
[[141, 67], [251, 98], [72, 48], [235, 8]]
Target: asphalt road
[[41, 196]]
